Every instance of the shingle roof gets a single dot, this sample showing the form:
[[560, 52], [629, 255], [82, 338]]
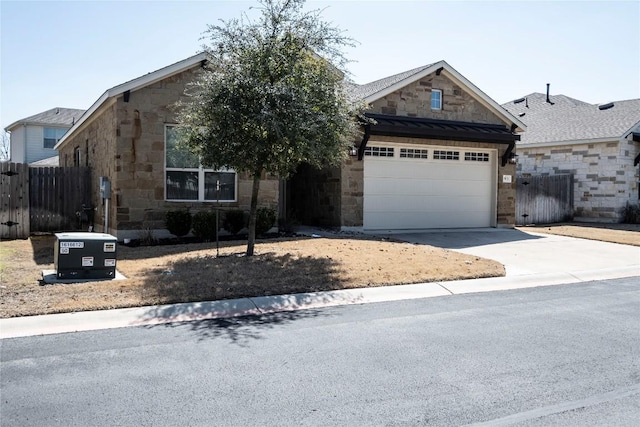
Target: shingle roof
[[359, 92], [132, 85], [49, 161], [56, 117], [569, 119]]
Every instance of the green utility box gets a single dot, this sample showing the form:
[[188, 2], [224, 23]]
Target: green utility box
[[85, 256]]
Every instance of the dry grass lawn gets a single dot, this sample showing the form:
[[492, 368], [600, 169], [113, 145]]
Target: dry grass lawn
[[192, 272], [627, 234]]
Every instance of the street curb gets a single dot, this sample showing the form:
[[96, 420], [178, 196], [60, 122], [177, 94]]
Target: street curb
[[184, 312]]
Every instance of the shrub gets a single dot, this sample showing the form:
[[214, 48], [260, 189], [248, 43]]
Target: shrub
[[146, 237], [631, 214], [205, 225], [234, 221], [179, 222], [265, 218]]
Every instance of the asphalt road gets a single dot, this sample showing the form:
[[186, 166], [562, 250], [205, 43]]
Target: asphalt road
[[559, 355]]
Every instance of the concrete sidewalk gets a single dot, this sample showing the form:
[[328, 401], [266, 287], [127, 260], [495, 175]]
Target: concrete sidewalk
[[530, 260]]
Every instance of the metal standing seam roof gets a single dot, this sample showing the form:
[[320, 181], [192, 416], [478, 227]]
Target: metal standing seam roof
[[55, 117], [439, 129], [569, 119]]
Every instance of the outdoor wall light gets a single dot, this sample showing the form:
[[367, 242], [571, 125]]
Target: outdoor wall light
[[353, 151], [513, 158]]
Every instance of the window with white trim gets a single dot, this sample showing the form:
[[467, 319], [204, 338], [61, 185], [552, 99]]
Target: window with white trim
[[446, 155], [379, 151], [436, 99], [476, 157], [414, 153], [186, 179], [52, 136]]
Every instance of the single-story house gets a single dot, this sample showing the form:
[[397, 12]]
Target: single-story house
[[598, 144], [32, 139], [440, 155]]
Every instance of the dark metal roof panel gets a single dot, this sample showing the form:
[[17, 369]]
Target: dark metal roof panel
[[417, 127]]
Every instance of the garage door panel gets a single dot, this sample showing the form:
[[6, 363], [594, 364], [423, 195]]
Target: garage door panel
[[414, 221], [402, 193], [399, 203], [414, 187], [403, 170]]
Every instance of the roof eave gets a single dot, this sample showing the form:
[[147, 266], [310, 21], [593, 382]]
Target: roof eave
[[402, 83], [31, 123], [477, 94], [133, 85], [483, 98]]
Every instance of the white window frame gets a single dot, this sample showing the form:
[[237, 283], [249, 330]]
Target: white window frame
[[436, 100], [202, 171]]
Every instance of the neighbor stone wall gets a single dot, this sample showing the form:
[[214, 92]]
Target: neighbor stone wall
[[605, 179], [414, 100]]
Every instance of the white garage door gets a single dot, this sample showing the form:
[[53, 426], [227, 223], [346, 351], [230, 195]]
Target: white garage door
[[420, 187]]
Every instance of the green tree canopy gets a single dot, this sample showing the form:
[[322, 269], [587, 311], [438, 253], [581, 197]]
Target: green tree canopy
[[271, 96]]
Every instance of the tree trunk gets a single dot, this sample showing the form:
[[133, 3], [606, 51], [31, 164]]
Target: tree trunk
[[251, 240]]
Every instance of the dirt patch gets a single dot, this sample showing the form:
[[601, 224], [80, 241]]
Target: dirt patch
[[626, 234], [193, 272]]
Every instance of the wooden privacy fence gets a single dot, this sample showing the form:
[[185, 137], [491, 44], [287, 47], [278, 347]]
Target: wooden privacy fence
[[42, 199], [544, 199]]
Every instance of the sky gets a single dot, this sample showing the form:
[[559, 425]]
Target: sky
[[67, 53]]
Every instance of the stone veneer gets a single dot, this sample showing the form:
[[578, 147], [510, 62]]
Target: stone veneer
[[604, 177], [126, 144], [414, 100]]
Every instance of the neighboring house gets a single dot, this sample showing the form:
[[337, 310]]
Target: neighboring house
[[437, 157], [32, 139], [598, 144]]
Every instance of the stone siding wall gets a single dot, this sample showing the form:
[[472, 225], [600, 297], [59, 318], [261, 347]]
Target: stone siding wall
[[140, 165], [605, 179], [97, 144], [414, 100], [352, 187], [128, 141]]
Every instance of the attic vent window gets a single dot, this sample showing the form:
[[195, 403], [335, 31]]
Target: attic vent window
[[605, 106], [436, 99], [518, 101]]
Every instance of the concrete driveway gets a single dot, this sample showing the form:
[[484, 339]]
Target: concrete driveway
[[531, 254]]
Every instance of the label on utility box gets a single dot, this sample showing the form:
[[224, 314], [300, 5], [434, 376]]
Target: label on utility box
[[75, 245], [87, 261], [110, 262], [64, 251], [109, 247]]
